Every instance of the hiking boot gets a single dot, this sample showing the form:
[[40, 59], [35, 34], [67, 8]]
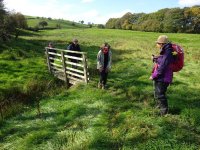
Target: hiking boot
[[103, 87], [99, 85]]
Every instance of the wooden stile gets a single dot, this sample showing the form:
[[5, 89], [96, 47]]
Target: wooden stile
[[85, 68], [48, 60], [64, 69], [62, 66]]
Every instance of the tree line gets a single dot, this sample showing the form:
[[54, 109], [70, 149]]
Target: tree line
[[173, 20], [10, 23]]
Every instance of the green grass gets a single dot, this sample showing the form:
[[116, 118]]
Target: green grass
[[52, 23], [22, 60], [123, 116]]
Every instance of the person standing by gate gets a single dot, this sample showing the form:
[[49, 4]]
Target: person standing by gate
[[74, 46], [104, 60]]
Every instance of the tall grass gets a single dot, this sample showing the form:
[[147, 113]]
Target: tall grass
[[124, 115]]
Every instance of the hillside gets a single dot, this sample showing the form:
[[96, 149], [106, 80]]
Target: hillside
[[54, 23], [84, 117]]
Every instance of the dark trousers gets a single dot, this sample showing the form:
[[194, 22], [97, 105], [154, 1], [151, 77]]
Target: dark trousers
[[50, 55], [52, 60], [74, 61], [160, 96], [103, 77]]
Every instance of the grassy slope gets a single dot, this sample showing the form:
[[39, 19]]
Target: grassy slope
[[33, 21], [21, 61], [122, 117]]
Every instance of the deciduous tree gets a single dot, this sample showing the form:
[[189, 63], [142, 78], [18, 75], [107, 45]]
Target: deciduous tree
[[43, 24]]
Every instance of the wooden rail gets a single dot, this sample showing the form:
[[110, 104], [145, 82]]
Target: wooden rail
[[69, 66]]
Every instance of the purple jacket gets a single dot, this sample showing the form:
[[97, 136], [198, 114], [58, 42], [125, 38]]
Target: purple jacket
[[163, 72]]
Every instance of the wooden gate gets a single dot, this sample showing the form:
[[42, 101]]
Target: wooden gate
[[69, 66]]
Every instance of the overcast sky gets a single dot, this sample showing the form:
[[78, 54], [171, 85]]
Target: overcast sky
[[94, 11]]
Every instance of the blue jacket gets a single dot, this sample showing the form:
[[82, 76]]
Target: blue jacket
[[163, 72]]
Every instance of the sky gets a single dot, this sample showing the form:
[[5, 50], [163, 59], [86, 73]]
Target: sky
[[93, 11]]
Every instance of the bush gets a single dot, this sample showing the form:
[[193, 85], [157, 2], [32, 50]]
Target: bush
[[100, 26], [43, 24], [34, 90]]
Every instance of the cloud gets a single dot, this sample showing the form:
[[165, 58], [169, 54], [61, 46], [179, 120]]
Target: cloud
[[119, 14], [189, 2], [87, 1], [14, 5], [57, 9], [46, 8], [95, 17], [88, 16]]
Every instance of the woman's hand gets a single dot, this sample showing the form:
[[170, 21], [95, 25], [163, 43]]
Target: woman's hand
[[150, 78]]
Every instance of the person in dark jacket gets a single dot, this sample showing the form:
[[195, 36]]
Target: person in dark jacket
[[74, 46], [162, 74], [104, 60]]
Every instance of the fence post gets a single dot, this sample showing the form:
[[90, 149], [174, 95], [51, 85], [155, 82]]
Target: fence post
[[85, 68], [48, 60], [64, 69]]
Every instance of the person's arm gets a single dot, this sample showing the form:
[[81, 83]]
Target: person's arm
[[109, 60], [99, 63], [69, 47], [166, 60], [79, 49], [154, 72]]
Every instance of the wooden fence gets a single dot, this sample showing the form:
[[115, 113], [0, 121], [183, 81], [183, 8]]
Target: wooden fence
[[69, 66]]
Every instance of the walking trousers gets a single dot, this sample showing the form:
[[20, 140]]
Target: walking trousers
[[103, 77], [160, 96]]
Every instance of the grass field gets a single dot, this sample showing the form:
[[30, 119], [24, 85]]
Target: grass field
[[121, 117], [52, 23]]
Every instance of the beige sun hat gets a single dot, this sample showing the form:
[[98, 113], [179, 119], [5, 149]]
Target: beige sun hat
[[75, 40], [162, 39]]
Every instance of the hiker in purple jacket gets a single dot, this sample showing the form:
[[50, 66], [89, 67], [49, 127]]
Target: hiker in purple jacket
[[162, 74]]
